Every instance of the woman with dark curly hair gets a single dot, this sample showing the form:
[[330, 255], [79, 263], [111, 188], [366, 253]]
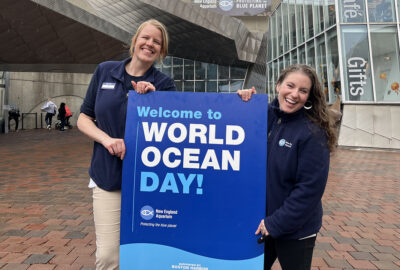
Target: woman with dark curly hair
[[301, 136]]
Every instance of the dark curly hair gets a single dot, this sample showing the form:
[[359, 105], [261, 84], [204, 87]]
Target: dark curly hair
[[319, 113]]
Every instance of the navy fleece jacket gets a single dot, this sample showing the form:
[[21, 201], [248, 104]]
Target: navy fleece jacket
[[297, 172], [106, 101]]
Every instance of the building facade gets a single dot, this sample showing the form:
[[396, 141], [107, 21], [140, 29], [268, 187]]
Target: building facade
[[352, 44], [354, 47]]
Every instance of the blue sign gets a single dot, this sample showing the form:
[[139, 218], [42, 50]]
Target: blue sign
[[194, 181]]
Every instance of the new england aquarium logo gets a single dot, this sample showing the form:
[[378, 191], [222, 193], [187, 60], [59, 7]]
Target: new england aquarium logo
[[147, 212], [283, 142], [225, 5]]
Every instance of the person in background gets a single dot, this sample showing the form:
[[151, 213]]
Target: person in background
[[68, 115], [301, 136], [61, 115], [106, 103], [51, 109], [13, 114]]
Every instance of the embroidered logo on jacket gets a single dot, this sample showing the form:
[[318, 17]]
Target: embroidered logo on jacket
[[283, 142]]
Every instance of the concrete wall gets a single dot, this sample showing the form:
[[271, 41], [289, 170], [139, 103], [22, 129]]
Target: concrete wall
[[375, 126], [30, 90], [372, 125], [255, 23]]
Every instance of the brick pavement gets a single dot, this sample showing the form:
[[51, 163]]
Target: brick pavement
[[46, 219]]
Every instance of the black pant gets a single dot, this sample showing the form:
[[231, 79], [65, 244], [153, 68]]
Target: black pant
[[62, 123], [48, 118], [292, 254], [16, 121]]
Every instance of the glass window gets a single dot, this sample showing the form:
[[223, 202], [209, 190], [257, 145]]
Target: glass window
[[398, 11], [302, 54], [236, 85], [200, 86], [300, 23], [280, 65], [200, 70], [167, 70], [279, 30], [329, 13], [189, 70], [286, 60], [321, 64], [179, 85], [223, 72], [167, 61], [381, 10], [308, 9], [270, 82], [356, 63], [318, 17], [188, 86], [223, 86], [275, 76], [352, 11], [293, 56], [285, 26], [311, 54], [212, 71], [385, 54], [212, 86], [238, 73], [321, 14], [269, 41], [178, 73], [292, 22], [177, 61], [273, 36], [333, 66]]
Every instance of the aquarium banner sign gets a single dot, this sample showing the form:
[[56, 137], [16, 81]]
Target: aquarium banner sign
[[236, 7], [194, 181]]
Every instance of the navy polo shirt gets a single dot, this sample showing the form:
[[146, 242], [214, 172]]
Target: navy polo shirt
[[106, 101]]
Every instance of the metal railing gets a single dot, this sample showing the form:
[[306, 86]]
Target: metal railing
[[23, 116]]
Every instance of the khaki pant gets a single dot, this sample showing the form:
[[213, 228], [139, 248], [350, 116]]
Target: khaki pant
[[107, 218]]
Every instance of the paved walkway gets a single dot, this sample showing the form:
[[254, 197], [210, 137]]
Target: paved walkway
[[46, 219]]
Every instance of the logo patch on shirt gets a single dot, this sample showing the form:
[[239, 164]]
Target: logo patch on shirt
[[283, 142], [108, 85]]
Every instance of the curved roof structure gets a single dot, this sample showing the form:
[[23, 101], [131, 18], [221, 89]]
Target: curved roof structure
[[44, 35]]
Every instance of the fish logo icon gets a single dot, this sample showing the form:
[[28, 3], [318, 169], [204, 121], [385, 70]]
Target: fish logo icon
[[226, 5], [147, 212], [282, 142]]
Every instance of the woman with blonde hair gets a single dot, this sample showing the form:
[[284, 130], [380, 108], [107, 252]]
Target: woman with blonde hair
[[102, 118]]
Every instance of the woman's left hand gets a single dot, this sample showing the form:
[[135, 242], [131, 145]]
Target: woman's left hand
[[262, 229], [246, 94], [143, 87]]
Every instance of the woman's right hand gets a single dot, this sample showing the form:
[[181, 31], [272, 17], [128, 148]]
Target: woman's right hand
[[115, 147], [245, 94], [143, 87]]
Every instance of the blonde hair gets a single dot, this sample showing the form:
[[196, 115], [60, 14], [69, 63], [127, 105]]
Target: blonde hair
[[164, 34], [319, 113]]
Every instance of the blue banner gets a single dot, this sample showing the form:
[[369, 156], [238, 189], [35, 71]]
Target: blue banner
[[194, 181]]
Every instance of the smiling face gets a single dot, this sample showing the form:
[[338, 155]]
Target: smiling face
[[293, 91], [148, 44]]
